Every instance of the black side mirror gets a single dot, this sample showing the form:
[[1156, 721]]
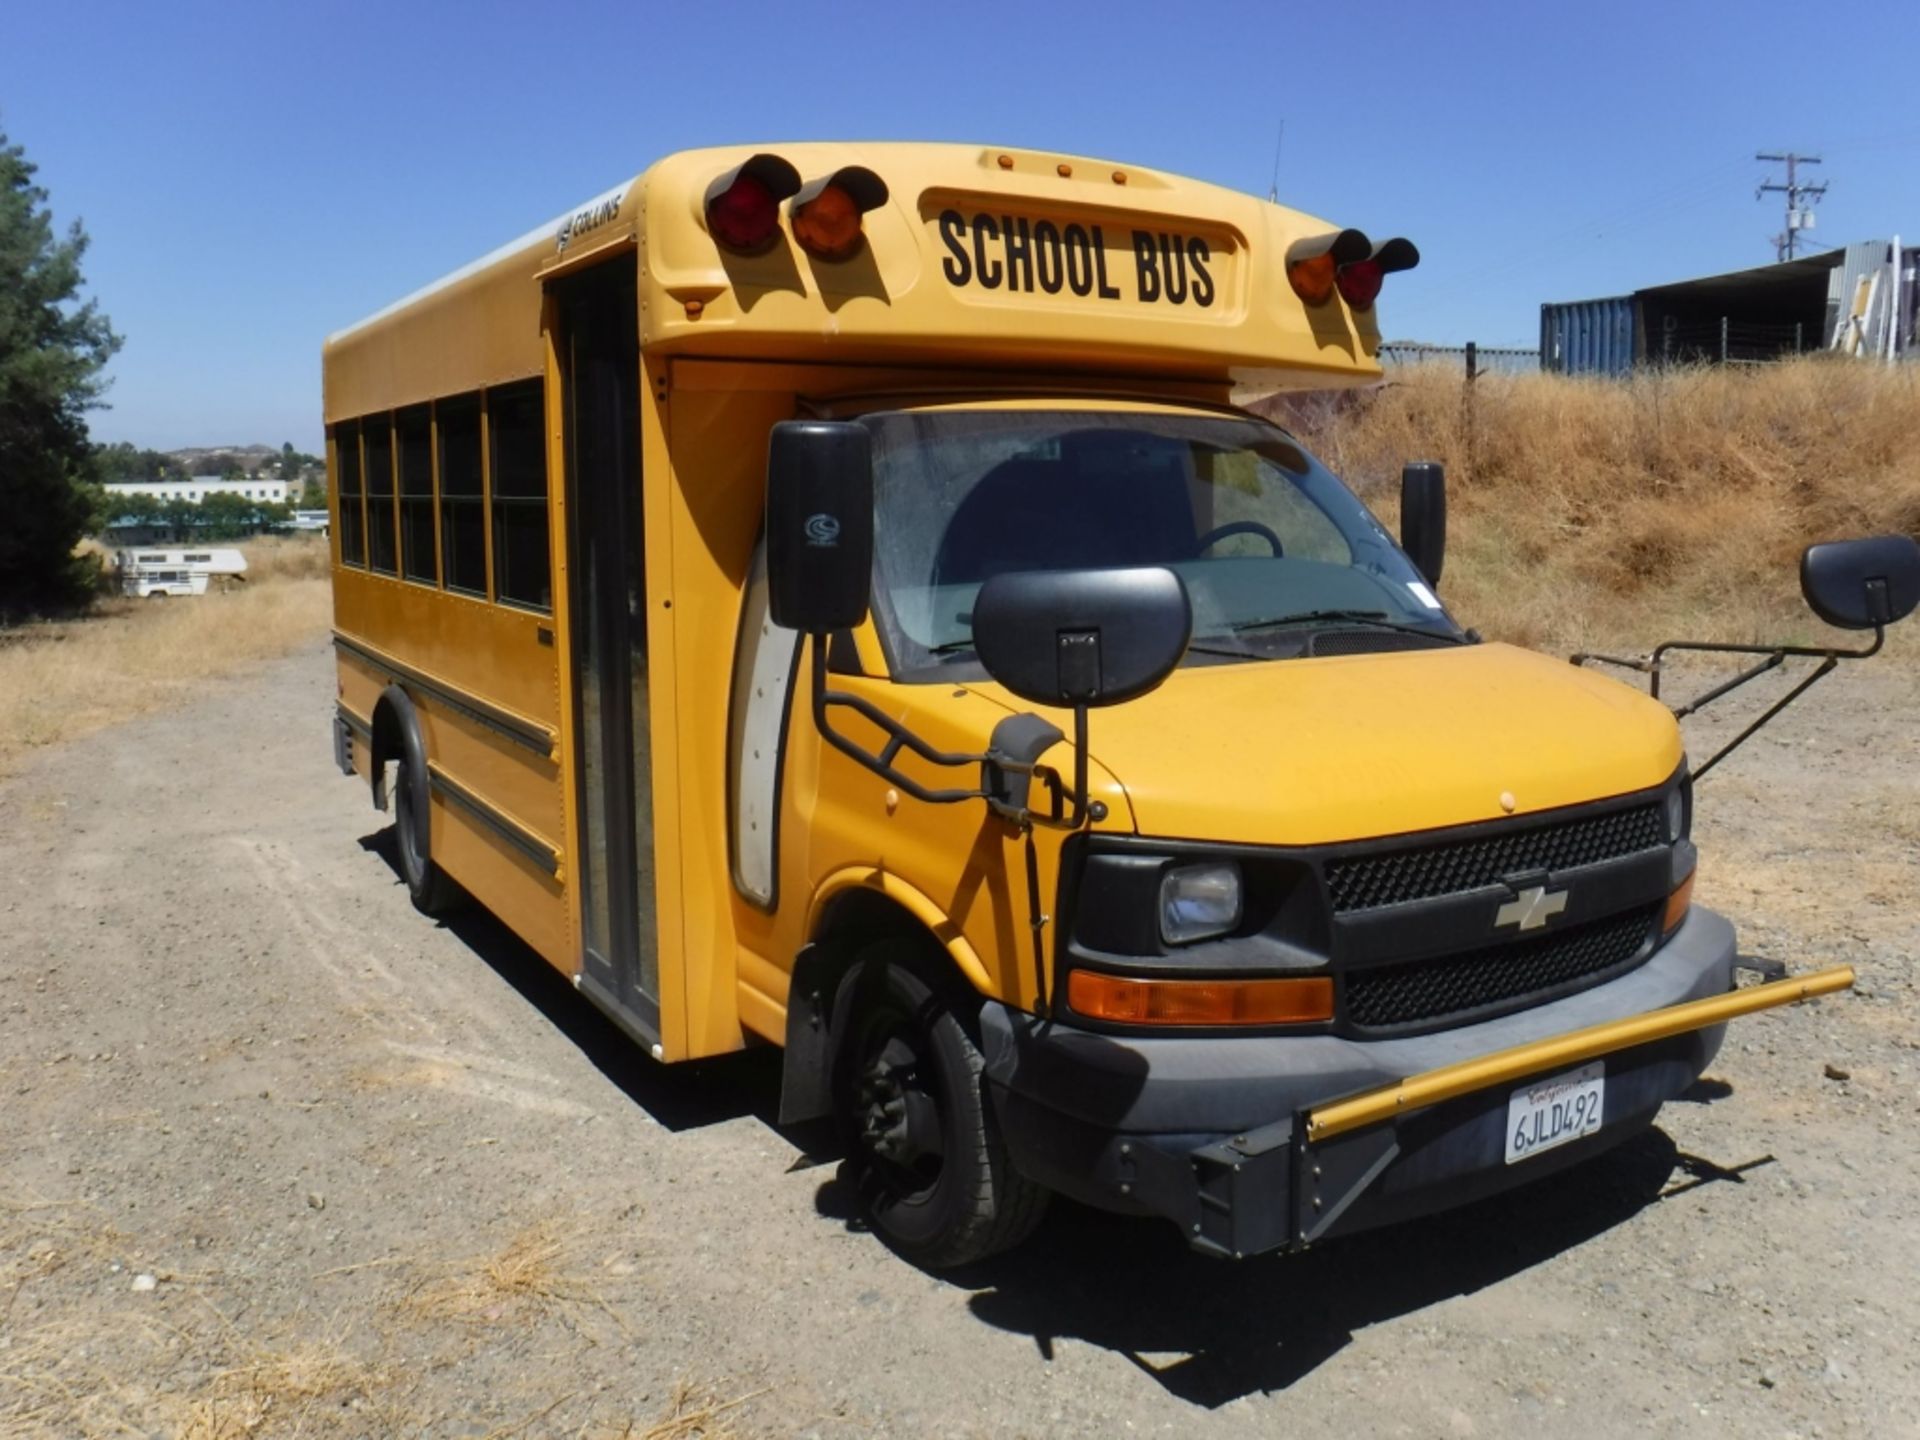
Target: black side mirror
[[1861, 584], [1423, 516], [1082, 637], [819, 524]]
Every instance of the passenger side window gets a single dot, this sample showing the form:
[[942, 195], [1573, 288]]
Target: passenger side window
[[415, 431], [521, 563], [352, 519], [381, 548], [463, 504]]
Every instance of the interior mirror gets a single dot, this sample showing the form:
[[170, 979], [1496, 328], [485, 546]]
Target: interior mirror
[[1082, 637], [1423, 516], [819, 524], [1858, 584]]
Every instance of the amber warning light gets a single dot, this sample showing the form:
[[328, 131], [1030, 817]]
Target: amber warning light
[[827, 213], [1347, 261]]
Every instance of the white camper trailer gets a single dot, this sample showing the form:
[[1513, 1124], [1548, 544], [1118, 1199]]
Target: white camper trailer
[[154, 573]]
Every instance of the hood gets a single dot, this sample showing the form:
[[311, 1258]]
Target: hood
[[1306, 752]]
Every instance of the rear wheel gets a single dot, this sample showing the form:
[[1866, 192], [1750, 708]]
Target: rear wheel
[[431, 889], [924, 1146]]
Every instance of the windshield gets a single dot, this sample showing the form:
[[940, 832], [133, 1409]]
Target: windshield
[[1278, 557]]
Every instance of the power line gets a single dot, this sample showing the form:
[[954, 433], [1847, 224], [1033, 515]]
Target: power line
[[1799, 217]]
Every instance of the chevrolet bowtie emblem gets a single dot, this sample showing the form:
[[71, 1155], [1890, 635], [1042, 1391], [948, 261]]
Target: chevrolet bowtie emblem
[[1531, 908]]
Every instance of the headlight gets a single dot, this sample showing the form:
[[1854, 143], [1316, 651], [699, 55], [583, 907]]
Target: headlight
[[1198, 902]]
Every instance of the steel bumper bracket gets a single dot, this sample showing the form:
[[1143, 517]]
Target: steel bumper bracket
[[1242, 1184], [1337, 1172]]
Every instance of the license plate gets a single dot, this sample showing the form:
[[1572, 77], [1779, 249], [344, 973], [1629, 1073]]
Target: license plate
[[1555, 1111]]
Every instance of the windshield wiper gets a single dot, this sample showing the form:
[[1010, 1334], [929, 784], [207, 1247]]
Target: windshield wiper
[[1377, 618], [965, 647]]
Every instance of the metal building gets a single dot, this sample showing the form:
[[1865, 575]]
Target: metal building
[[1860, 300]]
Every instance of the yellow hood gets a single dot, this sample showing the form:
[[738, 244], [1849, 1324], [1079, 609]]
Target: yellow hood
[[1303, 752]]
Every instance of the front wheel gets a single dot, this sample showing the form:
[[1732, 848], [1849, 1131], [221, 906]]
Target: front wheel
[[925, 1149]]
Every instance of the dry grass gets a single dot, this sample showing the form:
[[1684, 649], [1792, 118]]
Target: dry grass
[[1590, 512], [131, 657], [82, 1354], [540, 1272], [692, 1414], [286, 557]]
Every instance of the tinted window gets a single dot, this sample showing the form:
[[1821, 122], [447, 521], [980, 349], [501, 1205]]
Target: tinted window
[[415, 432], [463, 513], [381, 547], [352, 519], [515, 423]]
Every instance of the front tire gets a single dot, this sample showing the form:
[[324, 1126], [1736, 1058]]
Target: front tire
[[923, 1145]]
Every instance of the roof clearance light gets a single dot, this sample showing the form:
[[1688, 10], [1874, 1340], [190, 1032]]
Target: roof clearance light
[[743, 205], [827, 213], [1313, 263], [1360, 281]]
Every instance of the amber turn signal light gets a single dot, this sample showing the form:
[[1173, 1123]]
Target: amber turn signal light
[[1677, 904], [1127, 1001], [827, 213]]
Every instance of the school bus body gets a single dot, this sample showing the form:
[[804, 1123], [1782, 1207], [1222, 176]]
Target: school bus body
[[992, 280], [726, 343]]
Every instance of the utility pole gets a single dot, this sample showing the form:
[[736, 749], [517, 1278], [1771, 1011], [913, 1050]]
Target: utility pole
[[1798, 217]]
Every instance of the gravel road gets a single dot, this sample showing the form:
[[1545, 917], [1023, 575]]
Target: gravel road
[[279, 1156]]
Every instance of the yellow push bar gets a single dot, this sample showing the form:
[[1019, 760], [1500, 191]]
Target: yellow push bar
[[1417, 1091]]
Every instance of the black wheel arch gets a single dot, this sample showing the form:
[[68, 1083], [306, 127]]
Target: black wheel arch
[[397, 735], [852, 923]]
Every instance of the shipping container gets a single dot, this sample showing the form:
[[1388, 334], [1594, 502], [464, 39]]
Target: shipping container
[[1589, 337]]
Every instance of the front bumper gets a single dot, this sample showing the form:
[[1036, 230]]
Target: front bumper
[[1216, 1133]]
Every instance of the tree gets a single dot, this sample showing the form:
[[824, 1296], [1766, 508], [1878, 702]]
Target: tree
[[53, 348], [122, 461], [135, 508], [313, 496]]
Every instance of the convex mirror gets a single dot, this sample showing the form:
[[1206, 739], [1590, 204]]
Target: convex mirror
[[1082, 637], [1858, 584]]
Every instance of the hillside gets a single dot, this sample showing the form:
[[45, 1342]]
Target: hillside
[[1603, 512]]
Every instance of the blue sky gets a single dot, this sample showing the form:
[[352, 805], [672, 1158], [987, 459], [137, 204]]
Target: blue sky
[[254, 176]]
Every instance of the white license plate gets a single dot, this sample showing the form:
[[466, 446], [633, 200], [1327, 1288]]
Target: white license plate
[[1556, 1110]]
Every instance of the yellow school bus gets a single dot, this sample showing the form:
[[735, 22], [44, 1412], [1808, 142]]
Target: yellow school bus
[[725, 575]]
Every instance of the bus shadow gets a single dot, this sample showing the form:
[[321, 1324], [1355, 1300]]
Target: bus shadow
[[684, 1097], [1211, 1332]]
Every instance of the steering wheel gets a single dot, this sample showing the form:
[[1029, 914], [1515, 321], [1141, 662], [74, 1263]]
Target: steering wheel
[[1237, 527]]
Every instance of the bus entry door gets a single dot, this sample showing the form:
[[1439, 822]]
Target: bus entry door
[[599, 351]]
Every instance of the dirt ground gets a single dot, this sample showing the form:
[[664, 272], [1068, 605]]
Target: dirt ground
[[278, 1156]]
